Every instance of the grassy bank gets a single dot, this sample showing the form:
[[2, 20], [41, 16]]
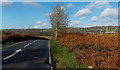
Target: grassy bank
[[62, 57]]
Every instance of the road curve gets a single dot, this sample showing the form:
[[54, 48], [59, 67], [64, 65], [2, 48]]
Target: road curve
[[26, 54]]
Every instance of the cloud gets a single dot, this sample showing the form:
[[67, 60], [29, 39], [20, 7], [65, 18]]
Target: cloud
[[110, 21], [37, 26], [38, 22], [110, 16], [27, 27], [94, 24], [1, 1], [83, 12], [94, 18], [33, 4], [70, 5], [42, 25], [82, 18], [99, 5], [63, 8], [74, 23], [5, 1], [10, 27], [7, 4], [109, 12]]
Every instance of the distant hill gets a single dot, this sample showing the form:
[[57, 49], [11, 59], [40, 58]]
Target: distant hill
[[48, 32], [95, 29], [28, 31]]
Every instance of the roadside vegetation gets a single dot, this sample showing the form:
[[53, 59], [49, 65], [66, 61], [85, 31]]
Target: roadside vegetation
[[62, 58], [96, 50]]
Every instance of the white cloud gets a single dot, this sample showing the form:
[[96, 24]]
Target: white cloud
[[63, 8], [5, 1], [7, 4], [110, 16], [36, 27], [99, 5], [82, 18], [42, 25], [33, 4], [94, 18], [94, 24], [109, 21], [70, 5], [38, 22], [83, 12], [74, 23], [109, 12], [10, 27], [27, 27], [1, 1]]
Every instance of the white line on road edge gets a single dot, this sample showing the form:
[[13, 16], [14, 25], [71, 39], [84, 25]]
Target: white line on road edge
[[19, 50], [50, 61], [30, 43], [27, 45], [14, 44], [35, 41]]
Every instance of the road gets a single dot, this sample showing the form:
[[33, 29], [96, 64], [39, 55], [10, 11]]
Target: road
[[26, 54]]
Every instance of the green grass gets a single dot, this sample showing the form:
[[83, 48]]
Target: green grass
[[62, 57], [48, 37]]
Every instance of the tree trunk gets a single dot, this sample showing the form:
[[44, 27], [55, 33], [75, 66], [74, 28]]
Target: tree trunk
[[56, 31]]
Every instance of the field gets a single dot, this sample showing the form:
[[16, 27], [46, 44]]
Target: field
[[96, 50]]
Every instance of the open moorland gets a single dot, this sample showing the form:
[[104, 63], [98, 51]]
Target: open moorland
[[96, 50]]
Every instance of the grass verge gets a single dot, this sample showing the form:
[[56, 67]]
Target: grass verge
[[47, 37], [62, 57]]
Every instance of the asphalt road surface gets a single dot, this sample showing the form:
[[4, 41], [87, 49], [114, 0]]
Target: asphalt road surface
[[26, 54]]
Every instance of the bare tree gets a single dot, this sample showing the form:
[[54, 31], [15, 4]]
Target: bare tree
[[58, 19]]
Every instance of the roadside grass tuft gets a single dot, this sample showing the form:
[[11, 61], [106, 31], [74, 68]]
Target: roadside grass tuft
[[62, 57]]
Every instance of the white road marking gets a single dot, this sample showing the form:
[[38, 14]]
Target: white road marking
[[19, 50], [7, 46], [50, 60], [35, 40], [30, 43], [27, 45]]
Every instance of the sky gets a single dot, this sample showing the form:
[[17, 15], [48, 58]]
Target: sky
[[23, 15]]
